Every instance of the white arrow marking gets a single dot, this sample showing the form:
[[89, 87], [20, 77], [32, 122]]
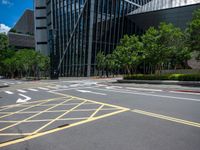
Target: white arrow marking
[[23, 100], [84, 91]]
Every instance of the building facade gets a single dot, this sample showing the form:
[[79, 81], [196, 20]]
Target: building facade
[[22, 34], [72, 32]]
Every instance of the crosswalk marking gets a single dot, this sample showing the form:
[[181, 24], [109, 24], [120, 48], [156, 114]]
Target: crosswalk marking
[[52, 87], [33, 90], [9, 92], [22, 91], [42, 88]]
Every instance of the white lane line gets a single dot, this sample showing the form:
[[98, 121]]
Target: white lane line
[[33, 90], [42, 88], [75, 85], [143, 89], [147, 94], [11, 83], [8, 92], [5, 84], [84, 91], [22, 91]]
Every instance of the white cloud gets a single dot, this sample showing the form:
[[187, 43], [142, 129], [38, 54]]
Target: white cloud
[[4, 28], [6, 2]]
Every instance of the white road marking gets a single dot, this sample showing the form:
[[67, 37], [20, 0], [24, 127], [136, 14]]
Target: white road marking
[[5, 84], [22, 91], [75, 85], [11, 83], [52, 87], [42, 88], [33, 90], [8, 92], [84, 91], [23, 100], [147, 94], [184, 93], [143, 89]]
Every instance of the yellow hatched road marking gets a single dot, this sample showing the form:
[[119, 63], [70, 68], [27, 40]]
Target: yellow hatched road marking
[[37, 133], [58, 129], [58, 118], [34, 115]]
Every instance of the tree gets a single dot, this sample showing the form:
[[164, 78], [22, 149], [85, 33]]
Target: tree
[[165, 45], [173, 42], [5, 54], [194, 32], [100, 60], [3, 41], [128, 54], [152, 49]]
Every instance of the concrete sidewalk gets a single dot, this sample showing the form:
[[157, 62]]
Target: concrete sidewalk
[[166, 82]]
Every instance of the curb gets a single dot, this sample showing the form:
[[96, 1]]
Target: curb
[[3, 86], [166, 82]]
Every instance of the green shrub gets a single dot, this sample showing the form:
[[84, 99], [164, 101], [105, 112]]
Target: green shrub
[[179, 77]]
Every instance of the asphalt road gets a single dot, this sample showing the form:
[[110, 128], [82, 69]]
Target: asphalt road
[[89, 114]]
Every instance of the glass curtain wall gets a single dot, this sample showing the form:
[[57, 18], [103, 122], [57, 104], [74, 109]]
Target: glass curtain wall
[[85, 27]]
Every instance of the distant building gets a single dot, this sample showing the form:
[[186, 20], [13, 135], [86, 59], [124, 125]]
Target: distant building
[[22, 34]]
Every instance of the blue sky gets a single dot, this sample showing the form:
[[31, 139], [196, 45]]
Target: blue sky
[[11, 10]]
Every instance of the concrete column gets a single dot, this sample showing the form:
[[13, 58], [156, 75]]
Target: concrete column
[[90, 37]]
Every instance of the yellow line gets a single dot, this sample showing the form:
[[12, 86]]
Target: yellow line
[[46, 120], [58, 118], [115, 106], [37, 101], [33, 116], [14, 134], [181, 121], [96, 112], [58, 129], [62, 105], [82, 110]]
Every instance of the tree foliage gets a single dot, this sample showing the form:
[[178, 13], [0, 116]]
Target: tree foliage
[[22, 63], [127, 54], [3, 41], [194, 32]]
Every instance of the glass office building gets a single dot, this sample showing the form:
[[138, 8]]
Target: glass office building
[[78, 29]]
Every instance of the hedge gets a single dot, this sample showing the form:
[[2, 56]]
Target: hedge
[[177, 77]]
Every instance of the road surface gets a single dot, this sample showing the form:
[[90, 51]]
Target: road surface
[[91, 114]]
